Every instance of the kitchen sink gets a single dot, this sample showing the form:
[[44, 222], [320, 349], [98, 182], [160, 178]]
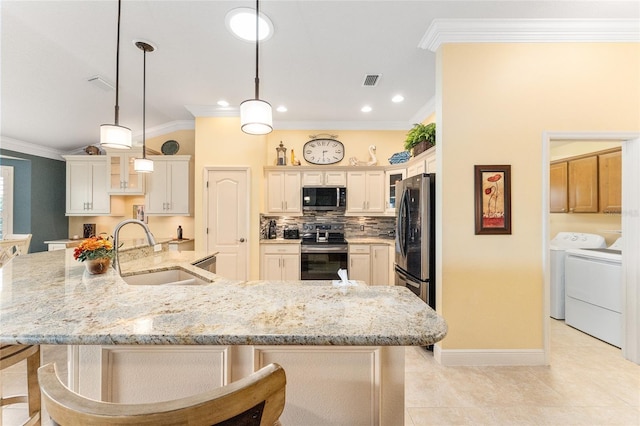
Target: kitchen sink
[[175, 276]]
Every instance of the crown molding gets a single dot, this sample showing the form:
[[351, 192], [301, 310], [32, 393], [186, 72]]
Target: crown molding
[[425, 111], [212, 111], [529, 31], [164, 129], [30, 148], [341, 125]]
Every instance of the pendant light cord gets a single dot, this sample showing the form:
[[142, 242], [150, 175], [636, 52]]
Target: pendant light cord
[[117, 108], [257, 44], [144, 102]]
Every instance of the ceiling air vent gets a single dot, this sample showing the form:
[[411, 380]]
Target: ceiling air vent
[[371, 80]]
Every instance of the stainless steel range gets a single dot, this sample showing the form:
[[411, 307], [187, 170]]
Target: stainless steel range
[[323, 251]]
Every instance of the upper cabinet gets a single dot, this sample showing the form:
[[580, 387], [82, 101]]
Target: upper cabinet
[[283, 192], [558, 187], [86, 185], [392, 177], [365, 191], [324, 178], [423, 163], [123, 179], [586, 184], [583, 185], [610, 182], [168, 186]]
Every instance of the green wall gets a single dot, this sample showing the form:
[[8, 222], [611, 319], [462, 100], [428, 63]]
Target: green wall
[[39, 197]]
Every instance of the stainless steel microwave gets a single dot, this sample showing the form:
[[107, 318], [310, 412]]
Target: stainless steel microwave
[[324, 198]]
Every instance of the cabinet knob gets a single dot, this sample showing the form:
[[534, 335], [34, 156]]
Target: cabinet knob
[[242, 240]]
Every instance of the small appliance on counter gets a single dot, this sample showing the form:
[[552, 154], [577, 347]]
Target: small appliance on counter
[[291, 234], [272, 230]]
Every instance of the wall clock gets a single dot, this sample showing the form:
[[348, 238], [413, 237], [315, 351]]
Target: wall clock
[[323, 151]]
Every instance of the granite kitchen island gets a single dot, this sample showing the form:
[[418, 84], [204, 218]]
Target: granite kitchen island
[[342, 348]]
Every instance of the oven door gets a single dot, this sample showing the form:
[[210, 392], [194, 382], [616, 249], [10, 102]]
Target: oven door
[[322, 263]]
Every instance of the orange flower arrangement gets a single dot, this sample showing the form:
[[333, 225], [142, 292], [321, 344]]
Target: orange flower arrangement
[[94, 248]]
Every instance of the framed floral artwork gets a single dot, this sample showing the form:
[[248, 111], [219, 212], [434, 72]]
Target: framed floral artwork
[[493, 199]]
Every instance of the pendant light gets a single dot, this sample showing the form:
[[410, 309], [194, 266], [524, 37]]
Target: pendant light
[[144, 165], [114, 135], [255, 114]]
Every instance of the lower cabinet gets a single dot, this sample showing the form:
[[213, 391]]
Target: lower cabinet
[[279, 262], [369, 263], [326, 385]]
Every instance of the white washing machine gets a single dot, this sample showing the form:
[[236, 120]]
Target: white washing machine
[[594, 296], [559, 245]]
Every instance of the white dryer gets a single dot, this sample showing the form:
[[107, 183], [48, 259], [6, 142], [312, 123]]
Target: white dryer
[[559, 245], [594, 296]]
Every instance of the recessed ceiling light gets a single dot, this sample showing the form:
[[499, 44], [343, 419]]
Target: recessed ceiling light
[[397, 98], [281, 108], [223, 103], [366, 108], [242, 24]]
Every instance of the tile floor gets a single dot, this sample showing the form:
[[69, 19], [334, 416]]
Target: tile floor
[[588, 383]]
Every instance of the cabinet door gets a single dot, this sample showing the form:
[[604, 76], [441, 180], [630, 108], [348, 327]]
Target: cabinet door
[[430, 162], [558, 187], [392, 177], [610, 182], [375, 192], [123, 179], [359, 267], [583, 185], [312, 178], [291, 267], [271, 267], [380, 265], [335, 178], [87, 188], [416, 168], [155, 198], [292, 193], [356, 191], [178, 187]]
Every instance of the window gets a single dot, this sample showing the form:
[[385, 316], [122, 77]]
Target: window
[[6, 200]]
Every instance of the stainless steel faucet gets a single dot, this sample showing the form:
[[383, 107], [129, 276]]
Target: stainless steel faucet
[[116, 239]]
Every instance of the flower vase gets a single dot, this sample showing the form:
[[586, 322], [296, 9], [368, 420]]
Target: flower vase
[[98, 266]]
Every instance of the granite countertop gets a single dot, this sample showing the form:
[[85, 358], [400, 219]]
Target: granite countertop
[[280, 241], [48, 298], [371, 240]]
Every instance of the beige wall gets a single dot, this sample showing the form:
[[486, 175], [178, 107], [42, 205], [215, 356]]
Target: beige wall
[[495, 102]]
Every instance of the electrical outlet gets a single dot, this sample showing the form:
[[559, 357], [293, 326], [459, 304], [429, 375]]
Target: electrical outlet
[[362, 227], [157, 247]]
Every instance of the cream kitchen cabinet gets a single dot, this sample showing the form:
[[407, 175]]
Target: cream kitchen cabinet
[[123, 179], [424, 163], [392, 177], [366, 191], [369, 263], [279, 262], [324, 178], [168, 186], [283, 192], [86, 186]]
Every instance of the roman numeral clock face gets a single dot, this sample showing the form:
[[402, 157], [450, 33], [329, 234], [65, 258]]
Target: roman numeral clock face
[[323, 151]]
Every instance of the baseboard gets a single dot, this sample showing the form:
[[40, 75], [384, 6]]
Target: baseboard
[[495, 357]]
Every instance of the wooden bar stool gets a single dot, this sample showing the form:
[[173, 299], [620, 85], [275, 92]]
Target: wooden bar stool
[[256, 400], [13, 354]]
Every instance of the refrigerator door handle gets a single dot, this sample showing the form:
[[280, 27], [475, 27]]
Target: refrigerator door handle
[[401, 232]]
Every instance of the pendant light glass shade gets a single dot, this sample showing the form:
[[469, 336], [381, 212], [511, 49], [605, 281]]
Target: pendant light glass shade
[[255, 117], [256, 114], [114, 136], [143, 165]]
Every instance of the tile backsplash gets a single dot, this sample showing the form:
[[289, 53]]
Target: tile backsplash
[[354, 226]]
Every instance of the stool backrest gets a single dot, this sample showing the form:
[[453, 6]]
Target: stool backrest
[[257, 400], [20, 241]]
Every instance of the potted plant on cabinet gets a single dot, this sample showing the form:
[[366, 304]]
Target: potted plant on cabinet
[[421, 137]]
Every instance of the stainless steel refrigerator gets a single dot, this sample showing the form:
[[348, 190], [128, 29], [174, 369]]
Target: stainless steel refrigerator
[[415, 236]]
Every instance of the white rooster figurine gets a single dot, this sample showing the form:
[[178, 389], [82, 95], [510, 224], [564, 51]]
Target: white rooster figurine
[[372, 158]]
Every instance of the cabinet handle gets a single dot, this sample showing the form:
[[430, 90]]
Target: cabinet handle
[[285, 205]]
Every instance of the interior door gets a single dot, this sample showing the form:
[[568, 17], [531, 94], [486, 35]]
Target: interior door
[[227, 220]]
